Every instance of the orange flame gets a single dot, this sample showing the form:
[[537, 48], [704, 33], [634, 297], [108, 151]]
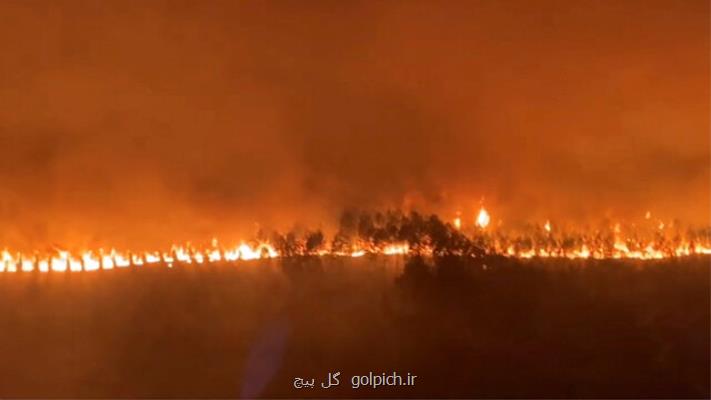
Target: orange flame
[[458, 223]]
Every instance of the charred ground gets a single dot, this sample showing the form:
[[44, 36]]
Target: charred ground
[[468, 327]]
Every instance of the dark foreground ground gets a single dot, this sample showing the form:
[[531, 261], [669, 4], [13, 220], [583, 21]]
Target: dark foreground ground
[[514, 329]]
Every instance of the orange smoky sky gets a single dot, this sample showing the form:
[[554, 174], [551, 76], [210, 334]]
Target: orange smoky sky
[[168, 120]]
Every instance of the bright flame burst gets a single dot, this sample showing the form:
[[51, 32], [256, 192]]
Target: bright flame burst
[[483, 218], [616, 244]]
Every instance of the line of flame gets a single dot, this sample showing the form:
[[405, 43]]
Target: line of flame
[[63, 260], [91, 261]]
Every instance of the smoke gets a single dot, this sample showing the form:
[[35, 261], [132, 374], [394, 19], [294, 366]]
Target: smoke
[[145, 123]]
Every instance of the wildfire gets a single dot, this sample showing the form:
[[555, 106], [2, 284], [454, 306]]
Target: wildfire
[[619, 242]]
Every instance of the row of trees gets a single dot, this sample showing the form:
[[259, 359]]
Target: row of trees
[[372, 231]]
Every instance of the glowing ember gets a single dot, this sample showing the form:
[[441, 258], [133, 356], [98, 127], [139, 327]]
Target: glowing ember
[[547, 226]]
